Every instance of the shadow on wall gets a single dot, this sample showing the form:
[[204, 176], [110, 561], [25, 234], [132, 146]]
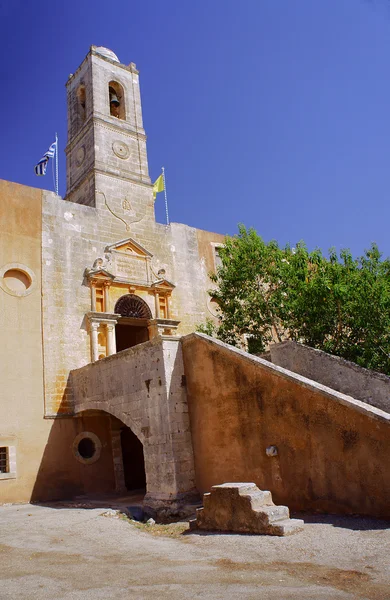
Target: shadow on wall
[[77, 459]]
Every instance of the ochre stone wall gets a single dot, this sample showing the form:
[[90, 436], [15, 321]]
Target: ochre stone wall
[[332, 451], [46, 468], [21, 367]]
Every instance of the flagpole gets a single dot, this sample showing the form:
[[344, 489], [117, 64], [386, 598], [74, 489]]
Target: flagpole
[[56, 165], [165, 196]]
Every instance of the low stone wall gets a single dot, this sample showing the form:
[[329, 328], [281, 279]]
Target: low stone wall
[[312, 447], [335, 372]]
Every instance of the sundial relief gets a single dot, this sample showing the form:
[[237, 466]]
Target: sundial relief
[[125, 211]]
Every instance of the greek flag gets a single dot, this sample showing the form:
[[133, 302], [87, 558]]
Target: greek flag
[[40, 167]]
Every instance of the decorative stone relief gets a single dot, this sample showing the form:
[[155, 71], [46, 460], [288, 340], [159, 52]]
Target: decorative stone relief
[[125, 211], [121, 150]]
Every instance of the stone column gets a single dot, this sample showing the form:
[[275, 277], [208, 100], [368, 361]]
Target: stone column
[[106, 298], [117, 457], [157, 299], [111, 341], [94, 341]]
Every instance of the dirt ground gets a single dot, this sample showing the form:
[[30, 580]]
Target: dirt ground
[[81, 554]]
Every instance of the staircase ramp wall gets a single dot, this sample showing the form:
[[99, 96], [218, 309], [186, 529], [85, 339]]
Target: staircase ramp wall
[[314, 448], [335, 372]]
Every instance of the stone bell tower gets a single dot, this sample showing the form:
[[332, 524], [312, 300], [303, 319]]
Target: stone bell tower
[[107, 165]]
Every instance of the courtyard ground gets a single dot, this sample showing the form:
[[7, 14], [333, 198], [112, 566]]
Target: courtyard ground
[[81, 554]]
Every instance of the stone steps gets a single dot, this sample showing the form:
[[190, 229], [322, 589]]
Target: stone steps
[[259, 499], [242, 507], [285, 527]]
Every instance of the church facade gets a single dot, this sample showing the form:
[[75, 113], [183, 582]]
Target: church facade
[[105, 388], [81, 279]]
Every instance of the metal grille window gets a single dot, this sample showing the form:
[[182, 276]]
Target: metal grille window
[[4, 461]]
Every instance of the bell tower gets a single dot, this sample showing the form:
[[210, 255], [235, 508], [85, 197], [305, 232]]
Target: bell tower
[[107, 163]]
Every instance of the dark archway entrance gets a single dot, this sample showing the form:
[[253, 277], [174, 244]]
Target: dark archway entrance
[[133, 326], [130, 332], [133, 460]]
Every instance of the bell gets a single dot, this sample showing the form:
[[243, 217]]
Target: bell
[[114, 99]]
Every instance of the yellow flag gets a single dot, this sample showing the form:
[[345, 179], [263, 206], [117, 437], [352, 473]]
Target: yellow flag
[[158, 186]]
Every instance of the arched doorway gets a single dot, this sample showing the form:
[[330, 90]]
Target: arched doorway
[[133, 326], [133, 460], [111, 454]]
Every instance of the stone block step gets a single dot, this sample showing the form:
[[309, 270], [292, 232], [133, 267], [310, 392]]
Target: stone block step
[[285, 527], [270, 514], [235, 488], [259, 499], [243, 508]]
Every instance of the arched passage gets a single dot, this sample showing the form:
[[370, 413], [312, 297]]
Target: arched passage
[[133, 326], [127, 452]]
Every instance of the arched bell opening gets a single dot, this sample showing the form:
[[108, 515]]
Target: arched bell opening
[[81, 104], [133, 326], [116, 99]]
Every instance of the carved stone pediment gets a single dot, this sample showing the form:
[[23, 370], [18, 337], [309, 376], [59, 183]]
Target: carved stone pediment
[[99, 274], [163, 285], [129, 261], [129, 247]]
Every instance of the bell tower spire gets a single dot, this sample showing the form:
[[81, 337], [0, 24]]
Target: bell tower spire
[[106, 151]]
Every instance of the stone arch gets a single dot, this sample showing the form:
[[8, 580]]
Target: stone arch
[[130, 455], [133, 306], [116, 98], [111, 410], [81, 103]]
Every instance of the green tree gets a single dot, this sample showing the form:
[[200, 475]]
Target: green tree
[[338, 303]]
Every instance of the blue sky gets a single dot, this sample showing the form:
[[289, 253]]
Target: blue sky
[[273, 113]]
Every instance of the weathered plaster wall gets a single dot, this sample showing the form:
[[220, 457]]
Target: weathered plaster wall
[[144, 387], [21, 368], [45, 465], [335, 372], [333, 451]]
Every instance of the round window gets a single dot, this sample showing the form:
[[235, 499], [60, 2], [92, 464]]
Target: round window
[[87, 447], [17, 279]]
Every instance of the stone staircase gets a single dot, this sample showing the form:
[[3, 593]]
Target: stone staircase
[[242, 507]]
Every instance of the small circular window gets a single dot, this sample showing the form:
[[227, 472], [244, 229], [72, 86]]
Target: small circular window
[[17, 279], [87, 447]]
